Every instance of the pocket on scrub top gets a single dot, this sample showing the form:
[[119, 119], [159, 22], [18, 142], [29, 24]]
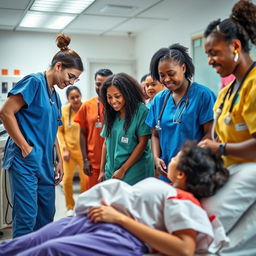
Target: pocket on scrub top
[[127, 142]]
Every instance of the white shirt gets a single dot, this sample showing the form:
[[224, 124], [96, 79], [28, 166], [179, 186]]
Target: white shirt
[[154, 203]]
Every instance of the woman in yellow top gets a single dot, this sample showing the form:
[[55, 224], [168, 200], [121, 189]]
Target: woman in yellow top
[[234, 136], [68, 135]]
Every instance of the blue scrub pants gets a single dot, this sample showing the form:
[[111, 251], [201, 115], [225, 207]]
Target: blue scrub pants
[[33, 198]]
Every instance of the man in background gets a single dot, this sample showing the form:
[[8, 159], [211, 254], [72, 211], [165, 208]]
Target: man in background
[[90, 118]]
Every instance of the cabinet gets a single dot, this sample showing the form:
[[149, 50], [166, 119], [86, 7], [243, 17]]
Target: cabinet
[[6, 84]]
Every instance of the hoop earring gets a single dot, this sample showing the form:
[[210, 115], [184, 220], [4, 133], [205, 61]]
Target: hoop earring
[[236, 56]]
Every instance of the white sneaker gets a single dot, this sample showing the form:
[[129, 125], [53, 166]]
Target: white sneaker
[[70, 213]]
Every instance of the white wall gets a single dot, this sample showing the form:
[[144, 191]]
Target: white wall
[[186, 19], [32, 52]]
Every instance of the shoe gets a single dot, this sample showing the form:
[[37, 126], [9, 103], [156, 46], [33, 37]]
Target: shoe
[[70, 213]]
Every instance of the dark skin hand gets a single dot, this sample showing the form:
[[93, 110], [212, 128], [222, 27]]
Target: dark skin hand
[[87, 167]]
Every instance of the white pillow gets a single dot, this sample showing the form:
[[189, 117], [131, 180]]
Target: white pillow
[[233, 200]]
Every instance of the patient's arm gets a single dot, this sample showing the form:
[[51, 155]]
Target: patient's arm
[[179, 243]]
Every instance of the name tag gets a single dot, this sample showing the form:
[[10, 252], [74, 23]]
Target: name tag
[[98, 125], [241, 127], [124, 140]]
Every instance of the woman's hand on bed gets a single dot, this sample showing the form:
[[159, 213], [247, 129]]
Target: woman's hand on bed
[[105, 213]]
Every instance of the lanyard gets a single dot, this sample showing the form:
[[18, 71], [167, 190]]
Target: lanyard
[[227, 119], [49, 96], [158, 127], [98, 124], [69, 117], [182, 102], [98, 108]]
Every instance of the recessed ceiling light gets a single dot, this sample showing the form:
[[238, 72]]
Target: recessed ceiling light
[[46, 20], [66, 6], [117, 9]]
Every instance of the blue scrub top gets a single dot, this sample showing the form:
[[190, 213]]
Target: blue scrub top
[[38, 121], [198, 111]]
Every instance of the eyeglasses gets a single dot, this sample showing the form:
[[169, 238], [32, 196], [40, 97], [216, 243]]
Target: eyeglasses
[[182, 105], [73, 77]]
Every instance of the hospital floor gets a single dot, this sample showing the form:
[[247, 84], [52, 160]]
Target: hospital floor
[[60, 208]]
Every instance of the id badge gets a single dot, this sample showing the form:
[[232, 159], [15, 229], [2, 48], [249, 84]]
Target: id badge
[[241, 127], [98, 125], [124, 140]]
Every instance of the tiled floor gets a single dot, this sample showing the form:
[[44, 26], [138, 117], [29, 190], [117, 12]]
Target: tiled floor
[[60, 208]]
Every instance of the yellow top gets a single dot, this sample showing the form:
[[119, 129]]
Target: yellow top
[[69, 132], [243, 116]]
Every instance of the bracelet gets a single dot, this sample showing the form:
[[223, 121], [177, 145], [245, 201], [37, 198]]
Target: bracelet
[[222, 149]]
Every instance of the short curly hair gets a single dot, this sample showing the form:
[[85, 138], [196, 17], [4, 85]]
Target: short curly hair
[[204, 170]]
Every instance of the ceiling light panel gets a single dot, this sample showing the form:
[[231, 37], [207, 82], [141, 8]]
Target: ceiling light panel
[[45, 20], [63, 6], [118, 9]]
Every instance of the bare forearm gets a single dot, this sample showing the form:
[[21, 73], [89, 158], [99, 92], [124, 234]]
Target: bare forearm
[[136, 154], [163, 242], [155, 145], [61, 138], [58, 150], [83, 144], [103, 157], [12, 127], [207, 130], [245, 149]]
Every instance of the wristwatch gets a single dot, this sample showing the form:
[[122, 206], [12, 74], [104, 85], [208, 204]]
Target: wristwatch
[[222, 149]]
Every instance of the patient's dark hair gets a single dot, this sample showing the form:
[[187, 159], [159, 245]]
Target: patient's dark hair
[[204, 170]]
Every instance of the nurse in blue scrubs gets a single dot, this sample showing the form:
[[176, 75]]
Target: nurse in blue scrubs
[[183, 111], [31, 115]]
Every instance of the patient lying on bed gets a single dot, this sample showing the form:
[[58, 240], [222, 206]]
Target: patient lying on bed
[[114, 218]]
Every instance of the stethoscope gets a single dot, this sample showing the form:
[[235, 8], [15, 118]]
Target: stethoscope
[[99, 123], [49, 96], [183, 103], [227, 119]]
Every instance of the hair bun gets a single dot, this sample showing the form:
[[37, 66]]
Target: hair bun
[[63, 41]]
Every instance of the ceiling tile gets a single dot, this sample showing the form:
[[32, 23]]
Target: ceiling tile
[[163, 10], [14, 4], [10, 17], [137, 25], [138, 6], [87, 22]]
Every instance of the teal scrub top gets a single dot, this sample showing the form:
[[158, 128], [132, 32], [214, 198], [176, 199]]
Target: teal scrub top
[[120, 146]]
